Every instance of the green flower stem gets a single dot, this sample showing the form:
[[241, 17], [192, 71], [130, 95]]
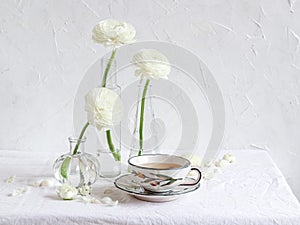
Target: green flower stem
[[111, 146], [142, 116], [80, 137], [111, 59]]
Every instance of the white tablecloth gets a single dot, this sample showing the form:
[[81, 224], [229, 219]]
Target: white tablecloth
[[250, 191]]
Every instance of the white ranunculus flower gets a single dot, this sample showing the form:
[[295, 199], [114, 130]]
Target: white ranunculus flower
[[103, 107], [151, 64], [114, 33], [85, 190], [67, 192]]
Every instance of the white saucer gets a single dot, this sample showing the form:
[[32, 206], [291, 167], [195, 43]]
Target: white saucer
[[126, 183]]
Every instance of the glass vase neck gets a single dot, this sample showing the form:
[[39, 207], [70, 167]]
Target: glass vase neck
[[78, 143]]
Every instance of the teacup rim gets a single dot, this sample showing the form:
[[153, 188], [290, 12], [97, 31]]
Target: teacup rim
[[177, 168]]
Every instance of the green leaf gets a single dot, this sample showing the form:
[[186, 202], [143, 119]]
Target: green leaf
[[64, 167]]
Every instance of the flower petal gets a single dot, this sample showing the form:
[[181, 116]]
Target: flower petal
[[10, 179], [19, 191], [230, 158], [108, 201]]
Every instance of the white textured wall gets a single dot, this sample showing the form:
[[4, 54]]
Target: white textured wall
[[251, 47]]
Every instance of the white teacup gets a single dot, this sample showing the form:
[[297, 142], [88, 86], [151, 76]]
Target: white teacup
[[161, 172]]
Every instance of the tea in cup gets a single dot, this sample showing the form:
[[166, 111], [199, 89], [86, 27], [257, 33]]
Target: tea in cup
[[161, 172]]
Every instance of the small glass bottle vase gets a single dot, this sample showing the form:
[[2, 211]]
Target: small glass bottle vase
[[109, 149], [76, 168], [145, 139]]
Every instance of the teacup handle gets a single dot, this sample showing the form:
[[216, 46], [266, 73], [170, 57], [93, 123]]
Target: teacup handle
[[196, 181]]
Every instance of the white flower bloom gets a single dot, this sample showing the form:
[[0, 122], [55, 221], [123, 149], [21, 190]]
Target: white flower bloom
[[66, 192], [151, 64], [103, 107], [85, 190], [230, 158], [113, 33]]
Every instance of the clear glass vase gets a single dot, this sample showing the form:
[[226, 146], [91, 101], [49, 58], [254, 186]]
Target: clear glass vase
[[109, 147], [76, 168], [109, 166], [145, 138]]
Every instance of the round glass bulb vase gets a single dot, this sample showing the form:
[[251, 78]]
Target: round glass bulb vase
[[76, 168]]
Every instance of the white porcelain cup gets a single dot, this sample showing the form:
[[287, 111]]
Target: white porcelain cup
[[161, 172]]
